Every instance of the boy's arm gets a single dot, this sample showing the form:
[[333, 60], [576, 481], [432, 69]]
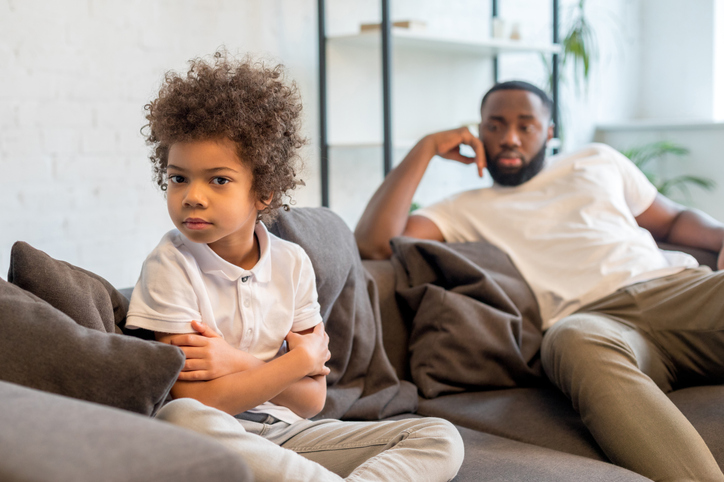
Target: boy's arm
[[305, 397], [254, 381]]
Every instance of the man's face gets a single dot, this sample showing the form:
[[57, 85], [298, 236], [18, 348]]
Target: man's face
[[514, 129]]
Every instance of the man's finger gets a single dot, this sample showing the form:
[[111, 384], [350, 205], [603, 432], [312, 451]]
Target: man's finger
[[480, 160]]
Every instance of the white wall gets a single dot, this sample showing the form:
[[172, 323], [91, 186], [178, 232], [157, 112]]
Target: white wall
[[677, 61], [705, 143], [75, 180]]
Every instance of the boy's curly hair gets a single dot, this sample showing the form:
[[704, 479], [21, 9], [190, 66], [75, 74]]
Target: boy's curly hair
[[245, 101]]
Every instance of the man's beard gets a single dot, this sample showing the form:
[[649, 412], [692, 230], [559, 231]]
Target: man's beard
[[516, 178]]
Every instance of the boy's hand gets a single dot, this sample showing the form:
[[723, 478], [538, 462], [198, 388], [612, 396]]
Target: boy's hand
[[208, 356], [315, 345]]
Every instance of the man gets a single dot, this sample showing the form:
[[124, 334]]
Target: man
[[624, 321]]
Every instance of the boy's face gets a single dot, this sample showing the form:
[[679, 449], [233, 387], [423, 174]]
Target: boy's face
[[210, 199]]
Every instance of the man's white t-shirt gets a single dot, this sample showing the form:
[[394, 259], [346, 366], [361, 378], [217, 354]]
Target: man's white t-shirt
[[252, 309], [570, 230]]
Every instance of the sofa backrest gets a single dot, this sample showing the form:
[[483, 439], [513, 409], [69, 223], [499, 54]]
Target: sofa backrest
[[395, 332]]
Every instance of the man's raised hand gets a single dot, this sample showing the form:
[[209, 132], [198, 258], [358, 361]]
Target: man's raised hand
[[447, 145]]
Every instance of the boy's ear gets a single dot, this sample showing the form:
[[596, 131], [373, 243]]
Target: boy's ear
[[262, 204]]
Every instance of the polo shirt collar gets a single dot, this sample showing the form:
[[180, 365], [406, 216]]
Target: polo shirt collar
[[212, 264]]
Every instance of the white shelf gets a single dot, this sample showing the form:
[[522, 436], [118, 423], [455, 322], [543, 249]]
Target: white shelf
[[401, 144], [660, 124], [425, 41]]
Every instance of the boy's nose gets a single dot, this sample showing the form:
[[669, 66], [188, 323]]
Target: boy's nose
[[194, 196]]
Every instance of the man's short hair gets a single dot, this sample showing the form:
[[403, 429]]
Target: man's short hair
[[520, 85]]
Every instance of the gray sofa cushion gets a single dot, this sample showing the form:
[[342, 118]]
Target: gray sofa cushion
[[545, 417], [49, 437], [362, 384], [43, 348], [492, 458], [476, 323], [539, 416], [86, 297]]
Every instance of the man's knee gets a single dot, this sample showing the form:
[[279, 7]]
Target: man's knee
[[583, 344]]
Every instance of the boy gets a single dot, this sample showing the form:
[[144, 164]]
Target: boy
[[242, 303]]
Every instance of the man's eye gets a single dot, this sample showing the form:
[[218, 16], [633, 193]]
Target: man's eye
[[176, 179], [220, 181], [491, 127]]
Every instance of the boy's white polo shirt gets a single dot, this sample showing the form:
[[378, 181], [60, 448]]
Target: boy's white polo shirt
[[252, 309]]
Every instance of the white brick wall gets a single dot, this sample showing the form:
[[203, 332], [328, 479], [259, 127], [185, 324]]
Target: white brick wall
[[75, 180]]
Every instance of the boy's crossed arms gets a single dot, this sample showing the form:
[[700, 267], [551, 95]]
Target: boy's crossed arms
[[232, 380]]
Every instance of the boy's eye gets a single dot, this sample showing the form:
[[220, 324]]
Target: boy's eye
[[176, 179], [220, 181]]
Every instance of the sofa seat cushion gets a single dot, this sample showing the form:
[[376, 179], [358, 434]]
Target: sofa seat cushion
[[538, 416], [704, 407], [489, 457], [545, 417], [50, 437]]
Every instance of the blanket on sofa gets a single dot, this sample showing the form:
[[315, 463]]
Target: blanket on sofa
[[475, 323], [362, 384]]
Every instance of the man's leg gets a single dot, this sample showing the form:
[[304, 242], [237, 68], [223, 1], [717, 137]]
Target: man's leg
[[612, 372], [267, 460], [417, 449]]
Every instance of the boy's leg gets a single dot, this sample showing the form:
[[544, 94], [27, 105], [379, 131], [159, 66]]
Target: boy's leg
[[417, 449], [267, 460]]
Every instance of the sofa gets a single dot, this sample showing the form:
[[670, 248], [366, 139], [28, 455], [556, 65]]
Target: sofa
[[531, 433], [78, 391]]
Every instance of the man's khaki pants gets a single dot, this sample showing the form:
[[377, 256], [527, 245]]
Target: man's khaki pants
[[616, 358]]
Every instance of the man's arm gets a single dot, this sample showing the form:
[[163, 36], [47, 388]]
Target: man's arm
[[387, 214], [671, 222], [285, 380]]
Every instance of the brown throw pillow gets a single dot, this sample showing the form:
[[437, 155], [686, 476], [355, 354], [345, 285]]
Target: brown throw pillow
[[85, 297], [43, 348]]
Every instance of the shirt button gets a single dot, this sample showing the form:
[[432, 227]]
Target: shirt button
[[246, 303], [244, 279]]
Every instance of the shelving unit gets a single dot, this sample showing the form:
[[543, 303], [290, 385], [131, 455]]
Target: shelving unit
[[416, 40], [406, 41]]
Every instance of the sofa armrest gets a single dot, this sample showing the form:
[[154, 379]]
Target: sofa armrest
[[703, 256]]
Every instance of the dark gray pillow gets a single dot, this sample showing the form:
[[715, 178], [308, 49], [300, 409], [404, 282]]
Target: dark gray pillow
[[86, 297], [43, 348]]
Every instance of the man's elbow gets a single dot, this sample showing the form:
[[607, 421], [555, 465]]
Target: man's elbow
[[369, 250]]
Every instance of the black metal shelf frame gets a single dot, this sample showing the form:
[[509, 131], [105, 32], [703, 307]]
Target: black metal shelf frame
[[386, 33]]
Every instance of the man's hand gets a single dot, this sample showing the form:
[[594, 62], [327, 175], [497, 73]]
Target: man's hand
[[315, 346], [208, 356], [447, 145]]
